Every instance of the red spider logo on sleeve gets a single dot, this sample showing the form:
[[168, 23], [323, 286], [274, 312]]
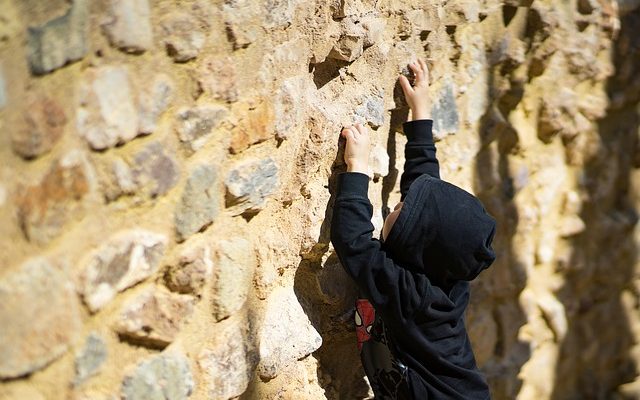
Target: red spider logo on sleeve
[[365, 316]]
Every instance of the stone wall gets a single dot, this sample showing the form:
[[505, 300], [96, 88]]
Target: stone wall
[[168, 170]]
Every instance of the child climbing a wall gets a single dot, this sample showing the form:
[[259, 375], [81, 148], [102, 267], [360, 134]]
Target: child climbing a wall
[[414, 281]]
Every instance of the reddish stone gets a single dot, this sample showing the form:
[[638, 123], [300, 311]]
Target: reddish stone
[[257, 126], [44, 124], [45, 208]]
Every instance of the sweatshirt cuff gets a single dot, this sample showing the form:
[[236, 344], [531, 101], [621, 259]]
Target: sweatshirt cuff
[[353, 184], [419, 131]]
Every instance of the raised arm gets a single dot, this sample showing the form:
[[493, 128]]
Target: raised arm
[[392, 290], [419, 153]]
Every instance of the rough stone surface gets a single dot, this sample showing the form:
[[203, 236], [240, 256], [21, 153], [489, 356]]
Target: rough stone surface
[[348, 48], [218, 77], [107, 114], [195, 125], [280, 345], [379, 161], [90, 359], [235, 263], [60, 40], [46, 208], [3, 90], [445, 114], [371, 110], [199, 204], [192, 271], [542, 98], [236, 14], [153, 101], [255, 126], [229, 366], [248, 185], [44, 123], [155, 171], [166, 376], [127, 258], [154, 317], [39, 315], [128, 25], [182, 37]]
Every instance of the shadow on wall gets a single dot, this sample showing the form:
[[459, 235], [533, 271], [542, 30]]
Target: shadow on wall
[[595, 355], [327, 295], [494, 314]]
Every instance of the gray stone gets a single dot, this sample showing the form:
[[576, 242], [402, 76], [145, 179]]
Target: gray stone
[[153, 101], [39, 315], [249, 183], [154, 317], [195, 125], [44, 124], [3, 90], [128, 25], [107, 115], [182, 36], [445, 114], [166, 376], [126, 258], [199, 203], [155, 170], [235, 262], [89, 361], [59, 41], [229, 366], [193, 270], [44, 209], [372, 110], [279, 344]]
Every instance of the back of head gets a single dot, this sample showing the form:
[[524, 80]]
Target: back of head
[[442, 231]]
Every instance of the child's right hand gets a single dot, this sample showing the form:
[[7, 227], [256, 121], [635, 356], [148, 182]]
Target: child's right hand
[[418, 96]]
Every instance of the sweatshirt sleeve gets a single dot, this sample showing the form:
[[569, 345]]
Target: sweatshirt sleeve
[[392, 290], [419, 153]]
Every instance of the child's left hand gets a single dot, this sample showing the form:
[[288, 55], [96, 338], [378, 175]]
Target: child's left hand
[[356, 153]]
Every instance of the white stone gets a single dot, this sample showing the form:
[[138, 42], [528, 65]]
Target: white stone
[[127, 258], [281, 345], [107, 115], [128, 25]]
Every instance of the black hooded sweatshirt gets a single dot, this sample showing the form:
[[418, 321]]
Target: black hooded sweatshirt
[[418, 278]]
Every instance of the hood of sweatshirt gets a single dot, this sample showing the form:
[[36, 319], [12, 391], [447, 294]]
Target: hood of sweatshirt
[[442, 231]]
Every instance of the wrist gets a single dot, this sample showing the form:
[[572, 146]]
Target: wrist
[[361, 167], [420, 114]]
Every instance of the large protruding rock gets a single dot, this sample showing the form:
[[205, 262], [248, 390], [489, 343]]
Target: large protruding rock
[[39, 317]]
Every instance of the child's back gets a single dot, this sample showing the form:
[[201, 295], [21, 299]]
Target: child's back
[[415, 284]]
